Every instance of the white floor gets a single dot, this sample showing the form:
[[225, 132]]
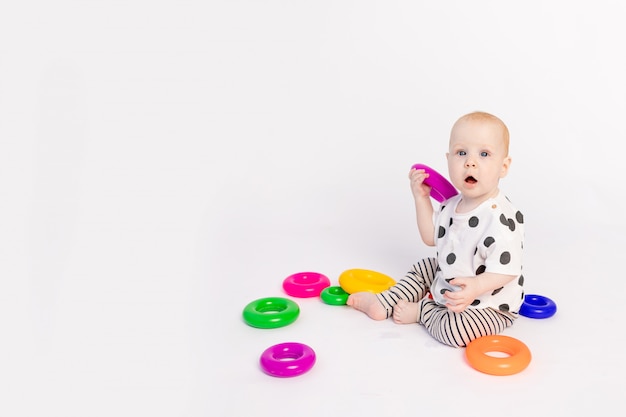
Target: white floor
[[162, 164]]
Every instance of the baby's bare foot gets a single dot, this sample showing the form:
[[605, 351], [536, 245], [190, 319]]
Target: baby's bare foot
[[405, 312], [368, 304]]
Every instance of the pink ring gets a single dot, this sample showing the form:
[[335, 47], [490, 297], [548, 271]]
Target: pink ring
[[287, 359], [441, 188], [305, 284]]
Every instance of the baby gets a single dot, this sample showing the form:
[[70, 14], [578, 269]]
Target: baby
[[474, 287]]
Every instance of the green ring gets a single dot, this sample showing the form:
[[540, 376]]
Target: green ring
[[271, 312], [334, 295]]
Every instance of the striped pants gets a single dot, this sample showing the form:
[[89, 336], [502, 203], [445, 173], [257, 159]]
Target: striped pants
[[450, 328]]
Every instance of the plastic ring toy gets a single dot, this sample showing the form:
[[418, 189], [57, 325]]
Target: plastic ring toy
[[441, 189], [357, 280], [271, 312], [335, 296], [305, 284], [477, 353], [287, 359], [537, 307]]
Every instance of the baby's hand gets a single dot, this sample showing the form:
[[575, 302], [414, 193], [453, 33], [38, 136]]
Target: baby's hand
[[417, 177], [468, 290]]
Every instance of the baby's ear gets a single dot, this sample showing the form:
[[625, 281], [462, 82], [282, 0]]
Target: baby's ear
[[506, 164]]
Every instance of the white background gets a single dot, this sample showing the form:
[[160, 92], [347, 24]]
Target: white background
[[164, 163]]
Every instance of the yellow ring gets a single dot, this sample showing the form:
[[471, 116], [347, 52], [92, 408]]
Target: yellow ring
[[358, 280]]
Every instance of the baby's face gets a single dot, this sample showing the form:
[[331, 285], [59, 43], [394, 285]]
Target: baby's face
[[477, 159]]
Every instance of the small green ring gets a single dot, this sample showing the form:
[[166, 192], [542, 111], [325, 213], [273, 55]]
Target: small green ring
[[334, 295], [271, 312]]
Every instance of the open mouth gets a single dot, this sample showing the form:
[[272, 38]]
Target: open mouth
[[471, 180]]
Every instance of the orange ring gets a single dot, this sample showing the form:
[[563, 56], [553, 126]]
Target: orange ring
[[477, 353]]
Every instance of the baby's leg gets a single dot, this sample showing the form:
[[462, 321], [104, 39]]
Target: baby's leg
[[459, 329], [415, 284], [368, 303], [406, 313], [413, 287]]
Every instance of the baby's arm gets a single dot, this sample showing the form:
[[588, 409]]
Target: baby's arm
[[473, 287], [423, 206]]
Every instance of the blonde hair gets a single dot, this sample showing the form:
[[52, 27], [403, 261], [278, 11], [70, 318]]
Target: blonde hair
[[482, 116]]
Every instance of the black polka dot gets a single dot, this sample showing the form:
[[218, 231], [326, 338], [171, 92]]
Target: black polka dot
[[449, 279], [451, 258], [520, 281], [451, 221], [489, 241], [444, 290], [512, 225], [473, 221], [442, 232], [505, 258], [497, 290], [520, 217], [475, 250], [475, 303], [504, 220], [504, 307], [481, 269]]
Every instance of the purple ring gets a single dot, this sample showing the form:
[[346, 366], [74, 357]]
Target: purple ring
[[286, 360], [305, 284], [440, 188]]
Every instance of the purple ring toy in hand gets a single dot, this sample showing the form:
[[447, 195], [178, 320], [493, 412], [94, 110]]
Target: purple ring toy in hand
[[441, 188], [286, 360]]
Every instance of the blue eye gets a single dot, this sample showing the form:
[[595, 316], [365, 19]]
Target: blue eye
[[462, 153], [484, 153]]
